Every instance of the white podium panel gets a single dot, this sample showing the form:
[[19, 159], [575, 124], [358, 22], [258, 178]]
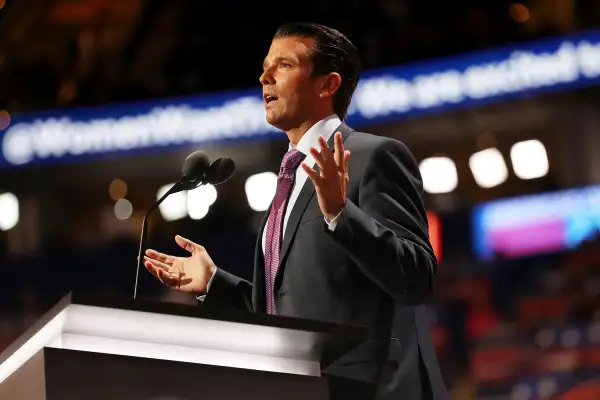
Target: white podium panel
[[182, 334]]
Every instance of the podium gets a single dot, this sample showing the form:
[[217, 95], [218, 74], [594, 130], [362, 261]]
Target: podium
[[109, 348]]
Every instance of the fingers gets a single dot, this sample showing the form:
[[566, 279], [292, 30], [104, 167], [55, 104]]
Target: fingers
[[329, 163], [346, 162], [317, 179], [162, 272], [339, 151], [319, 160], [324, 158], [171, 280], [326, 153], [165, 258], [155, 270], [187, 244], [155, 264]]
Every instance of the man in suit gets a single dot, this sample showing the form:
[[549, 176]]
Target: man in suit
[[346, 237]]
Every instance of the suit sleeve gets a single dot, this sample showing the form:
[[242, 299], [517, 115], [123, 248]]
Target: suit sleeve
[[386, 232], [228, 291]]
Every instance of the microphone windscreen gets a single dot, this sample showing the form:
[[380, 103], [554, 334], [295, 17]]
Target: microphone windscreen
[[220, 171], [195, 165]]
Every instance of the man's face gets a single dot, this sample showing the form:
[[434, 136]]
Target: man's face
[[289, 90]]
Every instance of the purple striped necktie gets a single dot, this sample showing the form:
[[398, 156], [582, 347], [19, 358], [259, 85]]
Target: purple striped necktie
[[285, 183]]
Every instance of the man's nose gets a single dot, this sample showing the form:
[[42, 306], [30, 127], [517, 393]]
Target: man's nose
[[266, 78]]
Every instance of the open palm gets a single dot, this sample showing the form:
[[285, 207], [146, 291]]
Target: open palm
[[187, 274]]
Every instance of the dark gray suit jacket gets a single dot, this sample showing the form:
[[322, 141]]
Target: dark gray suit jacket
[[376, 268]]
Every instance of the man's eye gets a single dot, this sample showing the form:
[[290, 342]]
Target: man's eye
[[284, 65]]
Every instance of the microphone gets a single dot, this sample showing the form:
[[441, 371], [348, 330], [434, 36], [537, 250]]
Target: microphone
[[197, 170], [220, 171], [194, 170]]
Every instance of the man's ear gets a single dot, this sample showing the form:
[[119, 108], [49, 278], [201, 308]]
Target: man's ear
[[330, 85]]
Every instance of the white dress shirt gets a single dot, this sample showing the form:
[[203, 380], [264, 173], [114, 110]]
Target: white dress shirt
[[326, 128]]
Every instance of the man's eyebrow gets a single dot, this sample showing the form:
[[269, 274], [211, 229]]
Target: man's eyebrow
[[279, 59]]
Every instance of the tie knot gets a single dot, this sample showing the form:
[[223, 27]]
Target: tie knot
[[290, 162]]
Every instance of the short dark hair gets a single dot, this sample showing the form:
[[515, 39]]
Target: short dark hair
[[333, 52]]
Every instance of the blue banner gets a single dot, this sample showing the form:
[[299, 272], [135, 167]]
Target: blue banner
[[383, 95]]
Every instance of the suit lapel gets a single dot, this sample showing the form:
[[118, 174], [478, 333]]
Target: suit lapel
[[306, 194], [258, 286]]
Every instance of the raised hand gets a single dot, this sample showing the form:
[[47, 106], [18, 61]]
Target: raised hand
[[187, 274], [332, 180]]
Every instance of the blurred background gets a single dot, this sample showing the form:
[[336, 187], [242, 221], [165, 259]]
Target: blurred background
[[101, 101]]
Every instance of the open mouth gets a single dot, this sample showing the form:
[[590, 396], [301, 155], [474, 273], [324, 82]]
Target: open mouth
[[269, 99]]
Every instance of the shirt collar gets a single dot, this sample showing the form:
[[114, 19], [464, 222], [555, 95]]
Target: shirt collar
[[324, 127]]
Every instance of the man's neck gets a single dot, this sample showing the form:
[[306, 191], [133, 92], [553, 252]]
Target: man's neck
[[295, 134]]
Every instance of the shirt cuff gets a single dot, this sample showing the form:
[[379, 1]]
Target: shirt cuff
[[203, 296], [333, 223]]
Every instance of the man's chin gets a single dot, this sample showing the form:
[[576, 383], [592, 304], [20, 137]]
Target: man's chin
[[276, 121]]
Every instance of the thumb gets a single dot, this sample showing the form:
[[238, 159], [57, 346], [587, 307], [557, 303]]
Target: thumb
[[187, 244]]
